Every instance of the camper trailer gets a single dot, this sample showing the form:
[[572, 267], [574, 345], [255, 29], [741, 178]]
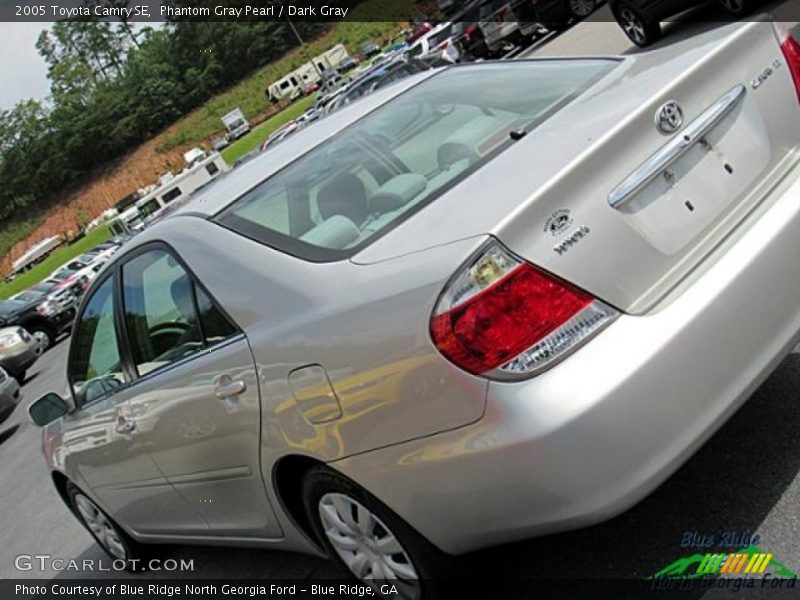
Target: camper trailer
[[290, 86], [236, 124], [174, 189]]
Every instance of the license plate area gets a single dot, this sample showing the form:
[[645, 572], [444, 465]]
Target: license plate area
[[700, 187]]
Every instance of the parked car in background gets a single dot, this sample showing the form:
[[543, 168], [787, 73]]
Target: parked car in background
[[44, 290], [377, 78], [397, 340], [220, 143], [97, 257], [641, 19], [421, 27], [467, 34], [378, 60], [279, 134], [348, 63], [309, 88], [557, 14], [18, 351], [10, 394], [368, 49], [44, 317], [324, 100], [436, 45], [506, 23], [332, 80], [75, 275]]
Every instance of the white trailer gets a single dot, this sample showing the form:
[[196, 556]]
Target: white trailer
[[178, 189], [236, 123], [290, 86], [36, 253], [334, 56]]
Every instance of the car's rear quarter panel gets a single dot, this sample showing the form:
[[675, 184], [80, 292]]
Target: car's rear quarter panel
[[367, 326]]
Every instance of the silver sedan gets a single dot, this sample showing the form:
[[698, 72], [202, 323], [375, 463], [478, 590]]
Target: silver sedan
[[9, 394], [489, 302]]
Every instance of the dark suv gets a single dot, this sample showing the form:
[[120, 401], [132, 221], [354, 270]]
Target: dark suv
[[44, 317]]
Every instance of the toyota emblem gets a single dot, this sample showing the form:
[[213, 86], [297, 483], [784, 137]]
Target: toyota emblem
[[669, 117]]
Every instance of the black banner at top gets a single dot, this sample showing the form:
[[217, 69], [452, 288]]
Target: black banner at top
[[142, 11]]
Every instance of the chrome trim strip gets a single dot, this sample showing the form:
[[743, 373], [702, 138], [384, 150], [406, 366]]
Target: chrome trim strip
[[677, 147]]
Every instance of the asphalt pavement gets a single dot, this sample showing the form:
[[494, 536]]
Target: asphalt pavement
[[746, 479]]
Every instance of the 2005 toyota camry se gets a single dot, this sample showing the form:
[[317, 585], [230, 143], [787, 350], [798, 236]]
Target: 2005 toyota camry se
[[488, 302]]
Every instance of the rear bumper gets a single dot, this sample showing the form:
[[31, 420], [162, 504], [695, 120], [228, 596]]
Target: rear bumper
[[599, 431]]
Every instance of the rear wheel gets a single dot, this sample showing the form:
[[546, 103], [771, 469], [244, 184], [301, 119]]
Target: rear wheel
[[639, 30], [109, 536], [368, 540]]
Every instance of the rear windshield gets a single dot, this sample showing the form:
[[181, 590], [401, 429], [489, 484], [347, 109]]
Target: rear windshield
[[347, 191]]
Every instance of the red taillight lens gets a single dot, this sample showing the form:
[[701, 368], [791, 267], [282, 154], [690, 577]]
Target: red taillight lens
[[504, 317], [791, 52]]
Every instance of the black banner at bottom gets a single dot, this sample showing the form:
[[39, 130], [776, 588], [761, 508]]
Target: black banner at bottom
[[245, 589]]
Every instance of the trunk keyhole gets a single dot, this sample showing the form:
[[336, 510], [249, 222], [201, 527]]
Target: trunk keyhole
[[689, 205], [729, 168]]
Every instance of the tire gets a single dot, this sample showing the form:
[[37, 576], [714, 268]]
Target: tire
[[46, 336], [580, 9], [415, 565], [641, 32], [105, 531]]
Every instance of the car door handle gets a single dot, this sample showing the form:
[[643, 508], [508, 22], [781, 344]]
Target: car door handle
[[124, 425], [226, 389]]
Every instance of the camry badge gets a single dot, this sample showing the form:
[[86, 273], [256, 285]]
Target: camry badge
[[669, 117]]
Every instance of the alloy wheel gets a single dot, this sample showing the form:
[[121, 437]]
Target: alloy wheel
[[367, 546], [42, 340], [632, 25], [581, 8], [105, 532]]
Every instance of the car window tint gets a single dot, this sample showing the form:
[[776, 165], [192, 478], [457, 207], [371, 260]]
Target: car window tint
[[160, 315], [94, 368], [216, 327]]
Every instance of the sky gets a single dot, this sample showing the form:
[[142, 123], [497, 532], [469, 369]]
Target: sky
[[23, 73]]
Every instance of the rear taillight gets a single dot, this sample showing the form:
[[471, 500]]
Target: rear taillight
[[506, 319], [791, 52]]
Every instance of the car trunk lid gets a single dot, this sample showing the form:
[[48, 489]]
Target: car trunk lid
[[604, 198]]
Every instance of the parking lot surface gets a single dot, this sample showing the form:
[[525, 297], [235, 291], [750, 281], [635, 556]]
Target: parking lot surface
[[746, 479]]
